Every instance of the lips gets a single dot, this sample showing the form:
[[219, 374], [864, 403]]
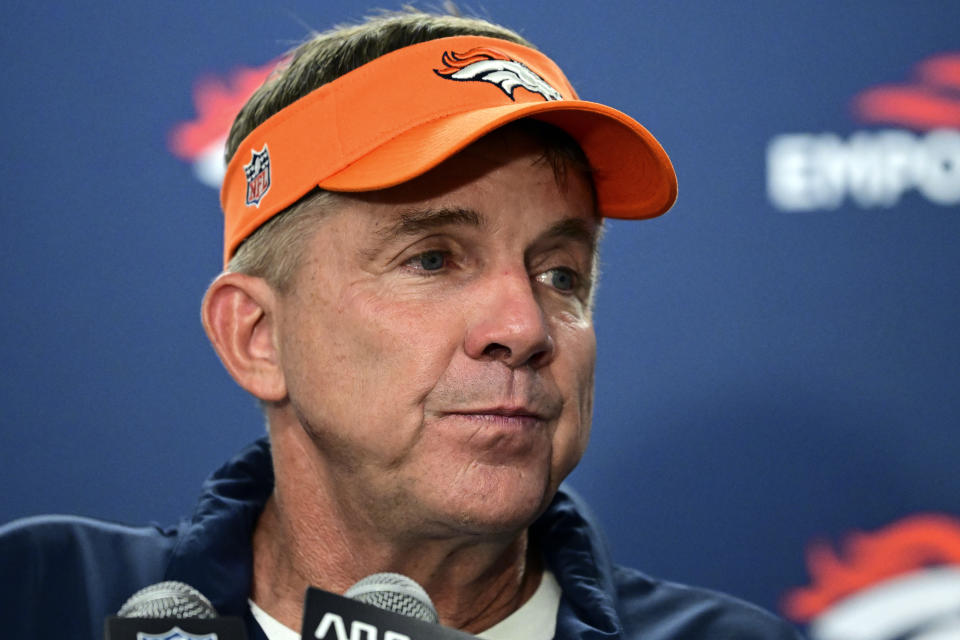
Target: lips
[[509, 421], [496, 397], [503, 412]]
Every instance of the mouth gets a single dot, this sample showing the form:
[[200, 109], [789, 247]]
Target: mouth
[[501, 431], [503, 416]]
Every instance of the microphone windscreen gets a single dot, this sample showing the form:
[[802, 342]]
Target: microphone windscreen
[[396, 593], [169, 599]]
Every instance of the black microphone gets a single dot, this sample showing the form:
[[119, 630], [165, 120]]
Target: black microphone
[[171, 611], [385, 606]]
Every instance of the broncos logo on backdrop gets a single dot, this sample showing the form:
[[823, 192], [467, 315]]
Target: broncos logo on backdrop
[[200, 141], [901, 582], [875, 168], [488, 65]]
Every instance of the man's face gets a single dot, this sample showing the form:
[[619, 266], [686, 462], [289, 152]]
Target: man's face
[[438, 347]]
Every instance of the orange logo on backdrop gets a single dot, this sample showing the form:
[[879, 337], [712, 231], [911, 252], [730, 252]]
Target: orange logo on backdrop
[[914, 543], [876, 168], [217, 101], [929, 102]]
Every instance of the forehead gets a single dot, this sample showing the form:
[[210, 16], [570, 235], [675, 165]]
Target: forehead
[[513, 171]]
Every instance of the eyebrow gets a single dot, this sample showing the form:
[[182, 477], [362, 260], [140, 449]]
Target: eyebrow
[[416, 221], [576, 229]]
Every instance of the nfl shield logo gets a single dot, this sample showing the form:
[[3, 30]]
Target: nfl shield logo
[[175, 634], [258, 176]]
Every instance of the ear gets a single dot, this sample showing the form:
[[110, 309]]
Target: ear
[[239, 316]]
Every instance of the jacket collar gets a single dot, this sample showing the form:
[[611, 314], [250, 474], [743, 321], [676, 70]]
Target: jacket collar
[[215, 553], [577, 553]]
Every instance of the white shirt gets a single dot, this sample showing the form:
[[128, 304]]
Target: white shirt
[[536, 619]]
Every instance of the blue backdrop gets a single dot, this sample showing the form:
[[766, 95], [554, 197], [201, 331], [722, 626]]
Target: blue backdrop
[[778, 359]]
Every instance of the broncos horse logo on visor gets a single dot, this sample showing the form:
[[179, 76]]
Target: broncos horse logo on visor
[[488, 65]]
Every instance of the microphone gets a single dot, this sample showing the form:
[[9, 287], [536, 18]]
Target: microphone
[[397, 593], [171, 611], [169, 599], [387, 606]]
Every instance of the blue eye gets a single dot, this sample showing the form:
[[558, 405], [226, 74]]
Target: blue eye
[[431, 260], [561, 278]]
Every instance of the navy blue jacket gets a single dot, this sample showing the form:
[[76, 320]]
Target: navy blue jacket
[[62, 575]]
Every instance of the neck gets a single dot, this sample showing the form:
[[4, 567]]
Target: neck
[[306, 537]]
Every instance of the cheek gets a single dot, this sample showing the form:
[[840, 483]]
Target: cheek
[[366, 358], [576, 356], [409, 342], [575, 375]]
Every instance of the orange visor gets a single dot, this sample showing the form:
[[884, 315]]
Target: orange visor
[[405, 112]]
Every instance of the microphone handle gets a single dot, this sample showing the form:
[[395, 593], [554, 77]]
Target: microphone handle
[[224, 628], [328, 616]]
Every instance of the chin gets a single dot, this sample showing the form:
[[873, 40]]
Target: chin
[[500, 506]]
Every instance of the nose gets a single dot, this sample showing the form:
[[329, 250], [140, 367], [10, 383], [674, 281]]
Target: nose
[[508, 324]]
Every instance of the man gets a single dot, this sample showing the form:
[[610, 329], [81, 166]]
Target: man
[[412, 210]]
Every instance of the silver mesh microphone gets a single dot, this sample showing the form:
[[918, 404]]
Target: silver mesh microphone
[[396, 593], [169, 599]]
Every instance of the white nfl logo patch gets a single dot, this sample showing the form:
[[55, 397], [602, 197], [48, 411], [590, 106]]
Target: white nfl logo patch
[[258, 176]]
